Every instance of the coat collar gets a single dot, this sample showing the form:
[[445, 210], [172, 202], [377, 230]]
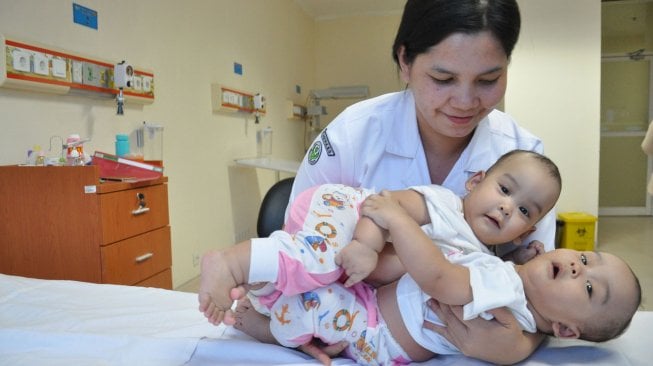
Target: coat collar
[[405, 141], [478, 153]]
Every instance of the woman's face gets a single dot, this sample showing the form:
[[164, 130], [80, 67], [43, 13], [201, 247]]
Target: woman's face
[[457, 82]]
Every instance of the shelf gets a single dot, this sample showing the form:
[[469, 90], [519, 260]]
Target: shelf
[[32, 67], [227, 99]]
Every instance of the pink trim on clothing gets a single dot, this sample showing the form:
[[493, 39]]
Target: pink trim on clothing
[[302, 339], [299, 210], [398, 361], [270, 299], [295, 279], [365, 295]]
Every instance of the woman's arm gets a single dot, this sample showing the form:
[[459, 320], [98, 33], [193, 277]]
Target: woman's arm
[[424, 261], [499, 340], [647, 143]]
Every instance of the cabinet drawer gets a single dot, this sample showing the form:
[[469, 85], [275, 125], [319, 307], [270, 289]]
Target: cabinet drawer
[[131, 212], [135, 259], [159, 280]]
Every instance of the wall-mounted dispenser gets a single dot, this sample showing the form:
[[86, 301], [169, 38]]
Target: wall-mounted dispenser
[[123, 73]]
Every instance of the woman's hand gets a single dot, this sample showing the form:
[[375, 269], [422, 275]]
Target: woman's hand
[[500, 340]]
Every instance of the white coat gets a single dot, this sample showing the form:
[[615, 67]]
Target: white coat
[[376, 144], [647, 146]]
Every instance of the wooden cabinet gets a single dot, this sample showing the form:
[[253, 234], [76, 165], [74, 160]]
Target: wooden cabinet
[[62, 223]]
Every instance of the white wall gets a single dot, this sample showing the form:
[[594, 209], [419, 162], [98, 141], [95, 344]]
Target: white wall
[[188, 45], [356, 50], [554, 91]]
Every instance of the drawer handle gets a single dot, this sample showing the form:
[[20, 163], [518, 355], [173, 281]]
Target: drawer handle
[[139, 211], [141, 205], [144, 257]]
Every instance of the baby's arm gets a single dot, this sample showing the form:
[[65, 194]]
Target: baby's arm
[[424, 261], [361, 257], [388, 269]]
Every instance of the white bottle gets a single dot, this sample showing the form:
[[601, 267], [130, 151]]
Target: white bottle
[[264, 142]]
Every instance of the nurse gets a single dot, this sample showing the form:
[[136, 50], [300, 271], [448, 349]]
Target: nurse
[[443, 128]]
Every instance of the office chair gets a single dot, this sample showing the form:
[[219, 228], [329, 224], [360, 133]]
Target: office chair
[[273, 208]]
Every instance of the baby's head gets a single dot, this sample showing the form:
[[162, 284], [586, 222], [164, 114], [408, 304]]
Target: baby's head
[[587, 295], [505, 203]]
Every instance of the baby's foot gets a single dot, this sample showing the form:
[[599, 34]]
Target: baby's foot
[[239, 292], [216, 283], [252, 323]]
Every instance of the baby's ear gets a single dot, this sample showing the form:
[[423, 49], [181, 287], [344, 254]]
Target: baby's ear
[[474, 180], [565, 331]]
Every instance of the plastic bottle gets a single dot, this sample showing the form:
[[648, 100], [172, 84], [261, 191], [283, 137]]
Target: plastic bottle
[[122, 145], [264, 142], [30, 157], [40, 158], [76, 158], [72, 139]]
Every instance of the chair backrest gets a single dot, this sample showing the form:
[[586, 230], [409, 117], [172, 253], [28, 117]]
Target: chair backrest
[[273, 208]]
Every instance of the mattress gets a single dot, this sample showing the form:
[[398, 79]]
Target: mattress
[[77, 323]]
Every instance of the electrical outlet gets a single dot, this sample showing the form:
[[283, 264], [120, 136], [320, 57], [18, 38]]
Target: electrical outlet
[[196, 259]]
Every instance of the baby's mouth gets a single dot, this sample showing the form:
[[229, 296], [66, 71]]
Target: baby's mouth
[[556, 269], [493, 220]]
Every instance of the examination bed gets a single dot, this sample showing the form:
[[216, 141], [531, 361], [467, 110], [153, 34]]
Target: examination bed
[[77, 323]]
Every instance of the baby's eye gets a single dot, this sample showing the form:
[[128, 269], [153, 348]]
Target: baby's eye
[[524, 211], [504, 189], [588, 286], [583, 259]]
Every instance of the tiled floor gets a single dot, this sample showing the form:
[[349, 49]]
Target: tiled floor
[[629, 237]]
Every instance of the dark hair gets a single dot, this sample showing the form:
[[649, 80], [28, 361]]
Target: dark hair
[[545, 161], [425, 23], [607, 328]]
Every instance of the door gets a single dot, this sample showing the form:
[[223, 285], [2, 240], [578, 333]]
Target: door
[[626, 109]]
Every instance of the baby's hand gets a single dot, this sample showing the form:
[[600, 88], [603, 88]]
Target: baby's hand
[[358, 261], [322, 352], [382, 208], [522, 254]]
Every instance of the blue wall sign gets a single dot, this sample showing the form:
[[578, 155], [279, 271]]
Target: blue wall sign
[[84, 16]]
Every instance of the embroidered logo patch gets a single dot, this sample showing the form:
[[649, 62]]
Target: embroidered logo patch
[[315, 152], [327, 144]]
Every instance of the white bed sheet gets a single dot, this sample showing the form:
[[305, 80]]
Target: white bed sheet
[[76, 323]]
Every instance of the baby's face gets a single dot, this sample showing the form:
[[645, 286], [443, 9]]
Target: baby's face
[[509, 200], [578, 288]]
